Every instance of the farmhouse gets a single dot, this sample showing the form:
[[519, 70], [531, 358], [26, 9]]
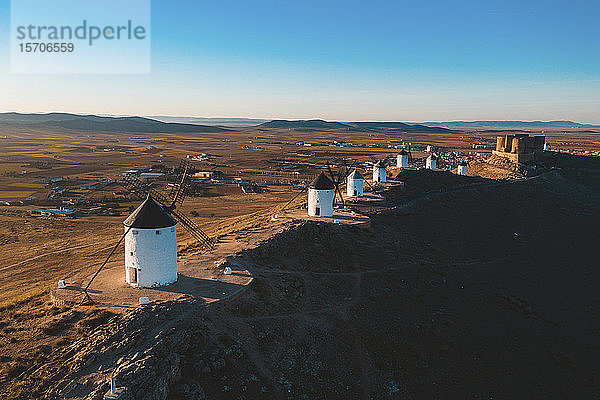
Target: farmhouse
[[51, 212]]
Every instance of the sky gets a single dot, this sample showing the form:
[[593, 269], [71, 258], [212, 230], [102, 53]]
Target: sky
[[350, 60]]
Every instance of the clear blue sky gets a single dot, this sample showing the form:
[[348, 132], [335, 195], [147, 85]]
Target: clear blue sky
[[345, 60]]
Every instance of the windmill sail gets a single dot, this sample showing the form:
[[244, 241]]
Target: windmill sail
[[340, 179], [194, 229], [141, 190], [179, 190]]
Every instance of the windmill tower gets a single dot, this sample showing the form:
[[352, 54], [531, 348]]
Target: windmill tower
[[355, 184], [150, 246], [402, 159], [431, 162], [462, 168], [321, 192], [150, 233], [379, 172]]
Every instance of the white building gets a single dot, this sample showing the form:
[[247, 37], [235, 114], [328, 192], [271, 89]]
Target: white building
[[150, 246], [320, 197], [402, 159], [379, 172], [431, 162], [355, 184], [462, 168]]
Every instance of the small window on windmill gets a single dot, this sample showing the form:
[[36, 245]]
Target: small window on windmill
[[158, 232], [131, 252], [173, 229], [134, 232]]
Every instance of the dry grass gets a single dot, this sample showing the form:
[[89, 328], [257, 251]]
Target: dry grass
[[255, 220], [15, 194], [23, 298]]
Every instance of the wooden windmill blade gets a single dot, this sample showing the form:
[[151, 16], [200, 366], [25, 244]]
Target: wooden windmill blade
[[371, 186], [349, 169], [175, 185], [336, 184], [177, 198], [194, 229], [342, 175], [169, 203], [141, 190], [177, 194], [293, 198]]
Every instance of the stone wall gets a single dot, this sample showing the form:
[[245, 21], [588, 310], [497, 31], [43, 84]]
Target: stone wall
[[516, 157]]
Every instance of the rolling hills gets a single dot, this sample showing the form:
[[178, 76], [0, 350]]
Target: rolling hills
[[94, 123]]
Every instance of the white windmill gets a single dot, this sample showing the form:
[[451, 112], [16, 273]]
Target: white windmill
[[320, 197], [150, 233], [355, 184], [379, 172], [431, 162], [402, 159], [150, 246]]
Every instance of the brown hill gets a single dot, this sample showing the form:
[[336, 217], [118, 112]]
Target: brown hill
[[466, 289]]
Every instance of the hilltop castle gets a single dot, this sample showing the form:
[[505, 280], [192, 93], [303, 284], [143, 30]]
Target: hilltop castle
[[520, 147]]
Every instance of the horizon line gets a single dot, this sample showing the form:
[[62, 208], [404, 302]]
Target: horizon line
[[300, 119]]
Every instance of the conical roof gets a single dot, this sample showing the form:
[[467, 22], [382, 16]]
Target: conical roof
[[322, 182], [150, 215], [433, 156], [380, 164], [356, 175], [403, 152]]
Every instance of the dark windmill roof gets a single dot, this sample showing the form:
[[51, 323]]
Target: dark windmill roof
[[433, 156], [150, 215], [463, 164], [322, 182], [403, 152], [356, 175], [380, 164]]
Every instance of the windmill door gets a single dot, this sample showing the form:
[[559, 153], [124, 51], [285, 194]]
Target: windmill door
[[133, 275], [354, 192], [318, 211]]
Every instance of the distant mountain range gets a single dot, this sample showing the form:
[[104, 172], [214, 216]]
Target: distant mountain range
[[511, 124], [94, 123], [232, 122], [318, 124], [313, 124]]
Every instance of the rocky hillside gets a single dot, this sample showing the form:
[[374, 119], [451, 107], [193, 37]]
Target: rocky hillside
[[477, 291]]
